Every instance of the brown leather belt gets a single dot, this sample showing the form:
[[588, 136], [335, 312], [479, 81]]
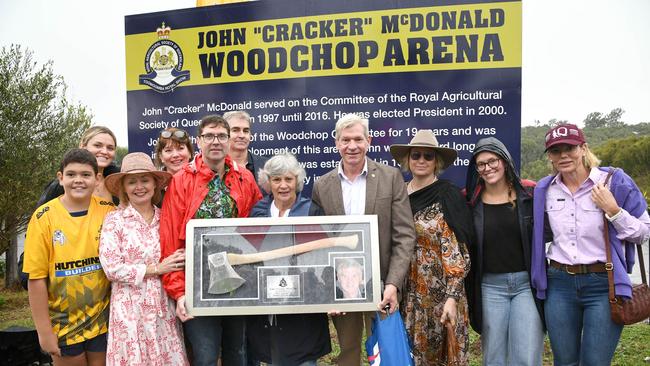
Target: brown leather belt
[[579, 268]]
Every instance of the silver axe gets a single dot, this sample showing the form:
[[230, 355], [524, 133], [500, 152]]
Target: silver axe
[[224, 279]]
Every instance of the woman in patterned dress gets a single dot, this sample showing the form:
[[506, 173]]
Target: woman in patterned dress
[[434, 294], [143, 328]]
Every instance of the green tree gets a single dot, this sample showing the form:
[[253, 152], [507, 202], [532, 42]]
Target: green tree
[[38, 126], [533, 159], [631, 154], [554, 122], [598, 120], [119, 154], [532, 143], [613, 118], [595, 120], [600, 130], [536, 170]]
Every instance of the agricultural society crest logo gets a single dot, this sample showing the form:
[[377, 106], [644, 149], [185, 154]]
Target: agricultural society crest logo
[[164, 63]]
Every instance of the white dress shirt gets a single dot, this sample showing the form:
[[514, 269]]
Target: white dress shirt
[[354, 192]]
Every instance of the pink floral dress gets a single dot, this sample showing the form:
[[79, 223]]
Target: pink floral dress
[[143, 328]]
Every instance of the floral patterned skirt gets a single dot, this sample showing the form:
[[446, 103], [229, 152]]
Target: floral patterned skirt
[[428, 336]]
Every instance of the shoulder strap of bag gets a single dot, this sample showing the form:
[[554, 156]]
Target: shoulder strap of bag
[[609, 266], [641, 264]]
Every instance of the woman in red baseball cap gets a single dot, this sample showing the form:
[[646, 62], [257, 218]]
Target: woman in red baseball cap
[[571, 274]]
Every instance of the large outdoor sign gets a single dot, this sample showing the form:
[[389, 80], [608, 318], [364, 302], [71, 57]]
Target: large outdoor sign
[[297, 66]]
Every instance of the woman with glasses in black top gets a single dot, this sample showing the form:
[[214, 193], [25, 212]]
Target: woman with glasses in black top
[[502, 305]]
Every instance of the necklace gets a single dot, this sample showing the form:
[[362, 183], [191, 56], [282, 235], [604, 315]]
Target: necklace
[[410, 187], [148, 218], [147, 215]]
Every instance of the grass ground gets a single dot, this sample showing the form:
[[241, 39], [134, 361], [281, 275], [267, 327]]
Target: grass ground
[[14, 308], [633, 348]]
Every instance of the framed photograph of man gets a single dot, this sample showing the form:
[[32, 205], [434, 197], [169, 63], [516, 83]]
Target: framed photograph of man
[[349, 275], [282, 265]]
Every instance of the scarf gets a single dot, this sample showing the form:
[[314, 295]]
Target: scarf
[[457, 214]]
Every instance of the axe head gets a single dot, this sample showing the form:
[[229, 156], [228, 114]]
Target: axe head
[[223, 278]]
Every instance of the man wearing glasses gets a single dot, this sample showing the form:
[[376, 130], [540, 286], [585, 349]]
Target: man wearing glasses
[[212, 186], [240, 139]]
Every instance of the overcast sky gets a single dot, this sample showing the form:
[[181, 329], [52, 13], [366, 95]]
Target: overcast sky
[[578, 56]]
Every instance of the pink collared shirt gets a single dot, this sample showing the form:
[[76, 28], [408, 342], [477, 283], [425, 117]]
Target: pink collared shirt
[[577, 223]]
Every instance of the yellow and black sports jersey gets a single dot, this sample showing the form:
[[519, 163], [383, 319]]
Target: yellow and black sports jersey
[[64, 248]]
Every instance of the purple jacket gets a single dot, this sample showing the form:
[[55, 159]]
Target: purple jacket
[[627, 196]]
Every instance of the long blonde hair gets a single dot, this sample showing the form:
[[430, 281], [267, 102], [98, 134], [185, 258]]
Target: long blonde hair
[[94, 131]]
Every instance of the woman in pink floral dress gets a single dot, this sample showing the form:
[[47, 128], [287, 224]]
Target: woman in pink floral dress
[[143, 328]]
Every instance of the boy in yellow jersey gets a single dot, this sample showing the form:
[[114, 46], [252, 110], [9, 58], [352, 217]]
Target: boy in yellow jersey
[[68, 291]]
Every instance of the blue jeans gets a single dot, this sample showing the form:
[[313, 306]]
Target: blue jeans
[[205, 336], [306, 363], [513, 333], [578, 319]]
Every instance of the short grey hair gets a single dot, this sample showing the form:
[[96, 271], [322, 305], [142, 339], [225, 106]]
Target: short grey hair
[[343, 263], [279, 165], [349, 120], [238, 114]]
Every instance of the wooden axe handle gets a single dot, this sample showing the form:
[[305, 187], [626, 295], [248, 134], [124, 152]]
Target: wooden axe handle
[[349, 241]]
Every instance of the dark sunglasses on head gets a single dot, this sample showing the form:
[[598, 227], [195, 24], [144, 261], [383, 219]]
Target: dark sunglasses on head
[[428, 156], [179, 134]]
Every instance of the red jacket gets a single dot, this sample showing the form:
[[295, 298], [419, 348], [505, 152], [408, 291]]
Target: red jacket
[[183, 197]]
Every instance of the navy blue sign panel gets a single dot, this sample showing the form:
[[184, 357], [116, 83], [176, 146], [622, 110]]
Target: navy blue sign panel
[[455, 69]]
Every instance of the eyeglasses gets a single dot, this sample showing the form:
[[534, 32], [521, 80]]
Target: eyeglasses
[[561, 149], [492, 163], [179, 134], [428, 156], [209, 137]]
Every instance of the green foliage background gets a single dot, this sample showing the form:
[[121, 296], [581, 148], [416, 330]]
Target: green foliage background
[[614, 142], [38, 126]]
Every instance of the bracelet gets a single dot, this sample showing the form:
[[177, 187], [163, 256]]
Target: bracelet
[[615, 216], [155, 269]]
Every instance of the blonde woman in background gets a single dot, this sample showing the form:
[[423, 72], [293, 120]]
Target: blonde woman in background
[[101, 142]]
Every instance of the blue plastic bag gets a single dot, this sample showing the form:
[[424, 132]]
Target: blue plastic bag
[[389, 344]]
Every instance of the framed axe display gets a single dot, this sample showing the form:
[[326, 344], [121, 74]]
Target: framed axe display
[[282, 265]]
